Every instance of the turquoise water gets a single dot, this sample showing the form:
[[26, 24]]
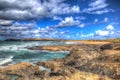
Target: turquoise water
[[15, 51]]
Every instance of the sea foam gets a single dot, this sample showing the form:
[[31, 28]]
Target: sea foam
[[6, 60]]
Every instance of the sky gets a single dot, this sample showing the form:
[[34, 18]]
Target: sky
[[62, 19]]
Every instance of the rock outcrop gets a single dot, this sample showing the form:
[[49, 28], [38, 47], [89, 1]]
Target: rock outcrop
[[20, 71], [85, 62], [89, 59]]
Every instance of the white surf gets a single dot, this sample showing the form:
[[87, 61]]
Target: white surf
[[6, 60]]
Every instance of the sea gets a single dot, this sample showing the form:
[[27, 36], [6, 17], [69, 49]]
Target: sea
[[15, 51]]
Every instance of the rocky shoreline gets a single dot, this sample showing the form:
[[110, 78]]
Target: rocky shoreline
[[67, 47], [85, 62]]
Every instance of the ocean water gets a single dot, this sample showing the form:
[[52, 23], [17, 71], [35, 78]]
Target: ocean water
[[15, 51]]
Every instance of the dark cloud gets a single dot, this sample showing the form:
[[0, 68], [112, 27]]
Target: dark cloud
[[32, 9]]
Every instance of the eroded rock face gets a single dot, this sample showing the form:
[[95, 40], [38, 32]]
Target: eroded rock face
[[90, 59], [114, 46], [85, 62], [20, 70]]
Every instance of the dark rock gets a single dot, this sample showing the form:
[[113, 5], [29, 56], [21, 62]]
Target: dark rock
[[106, 46], [43, 74]]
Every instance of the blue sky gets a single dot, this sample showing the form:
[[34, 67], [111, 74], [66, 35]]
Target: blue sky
[[63, 19]]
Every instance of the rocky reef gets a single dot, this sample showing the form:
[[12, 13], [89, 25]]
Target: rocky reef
[[85, 62]]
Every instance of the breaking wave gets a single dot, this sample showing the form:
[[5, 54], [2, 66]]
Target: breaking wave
[[6, 60]]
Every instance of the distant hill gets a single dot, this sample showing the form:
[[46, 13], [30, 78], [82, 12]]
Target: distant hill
[[12, 40], [53, 39], [34, 39], [41, 39]]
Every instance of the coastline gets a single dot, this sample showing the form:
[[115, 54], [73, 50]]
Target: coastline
[[93, 59]]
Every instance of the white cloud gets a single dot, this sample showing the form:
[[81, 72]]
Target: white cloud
[[96, 20], [109, 27], [6, 22], [65, 9], [97, 7], [36, 31], [91, 34], [57, 18], [75, 9], [101, 11], [81, 25], [17, 30], [108, 32], [105, 19], [98, 4], [87, 36], [112, 32], [102, 33], [80, 18], [69, 21]]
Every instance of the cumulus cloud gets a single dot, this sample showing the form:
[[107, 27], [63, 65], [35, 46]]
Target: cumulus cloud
[[109, 30], [68, 21], [32, 9], [87, 36], [64, 9], [109, 27], [102, 33], [57, 18], [50, 33]]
